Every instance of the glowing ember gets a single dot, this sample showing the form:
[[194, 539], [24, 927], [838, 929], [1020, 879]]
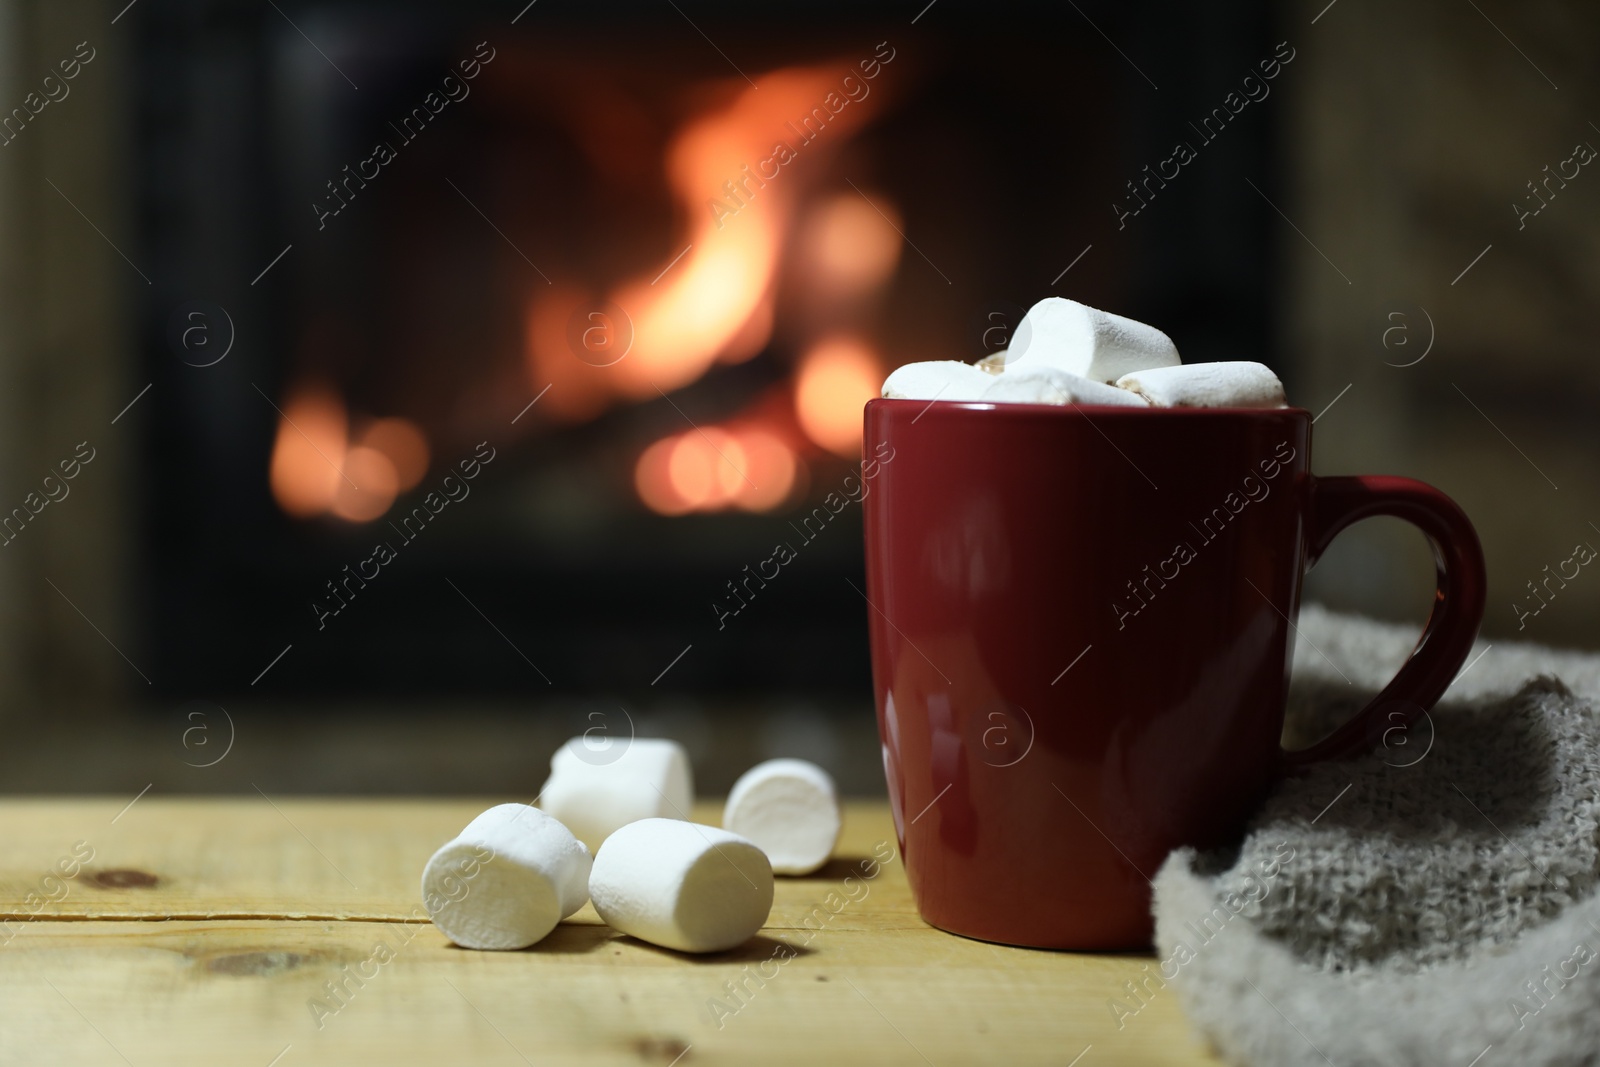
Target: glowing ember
[[836, 378], [308, 453]]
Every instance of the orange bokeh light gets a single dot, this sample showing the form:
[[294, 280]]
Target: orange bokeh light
[[314, 470], [653, 481], [835, 380], [707, 468], [369, 485], [405, 446], [689, 471], [308, 452], [731, 467], [771, 471], [710, 468], [850, 244]]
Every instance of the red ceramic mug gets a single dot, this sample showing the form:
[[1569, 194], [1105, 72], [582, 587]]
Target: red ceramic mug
[[1080, 621]]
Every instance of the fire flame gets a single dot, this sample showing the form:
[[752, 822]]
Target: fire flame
[[710, 296], [737, 171]]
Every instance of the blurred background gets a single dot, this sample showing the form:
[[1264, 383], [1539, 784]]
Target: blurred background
[[390, 391]]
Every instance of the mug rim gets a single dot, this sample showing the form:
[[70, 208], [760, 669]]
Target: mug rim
[[1099, 410]]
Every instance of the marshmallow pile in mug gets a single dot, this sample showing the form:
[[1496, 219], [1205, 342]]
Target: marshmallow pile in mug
[[1064, 352]]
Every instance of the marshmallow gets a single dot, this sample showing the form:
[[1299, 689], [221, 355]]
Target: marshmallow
[[1239, 384], [506, 880], [790, 810], [1092, 344], [594, 791], [944, 379], [1043, 385], [681, 885], [993, 363]]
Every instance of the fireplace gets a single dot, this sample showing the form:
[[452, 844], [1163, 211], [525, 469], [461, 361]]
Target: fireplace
[[522, 353]]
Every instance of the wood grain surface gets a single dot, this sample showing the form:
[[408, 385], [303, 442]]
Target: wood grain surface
[[273, 931]]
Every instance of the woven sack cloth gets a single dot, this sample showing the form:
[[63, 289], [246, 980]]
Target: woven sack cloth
[[1433, 902]]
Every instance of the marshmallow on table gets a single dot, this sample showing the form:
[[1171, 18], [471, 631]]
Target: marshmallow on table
[[789, 809], [596, 790], [506, 880], [681, 885], [1043, 385], [1082, 340], [1238, 384], [944, 379]]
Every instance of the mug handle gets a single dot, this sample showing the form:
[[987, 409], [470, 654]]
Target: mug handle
[[1457, 608]]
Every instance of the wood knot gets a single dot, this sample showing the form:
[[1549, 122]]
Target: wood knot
[[124, 878], [247, 964], [659, 1049]]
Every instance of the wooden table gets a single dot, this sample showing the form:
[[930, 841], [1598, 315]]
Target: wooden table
[[217, 931]]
